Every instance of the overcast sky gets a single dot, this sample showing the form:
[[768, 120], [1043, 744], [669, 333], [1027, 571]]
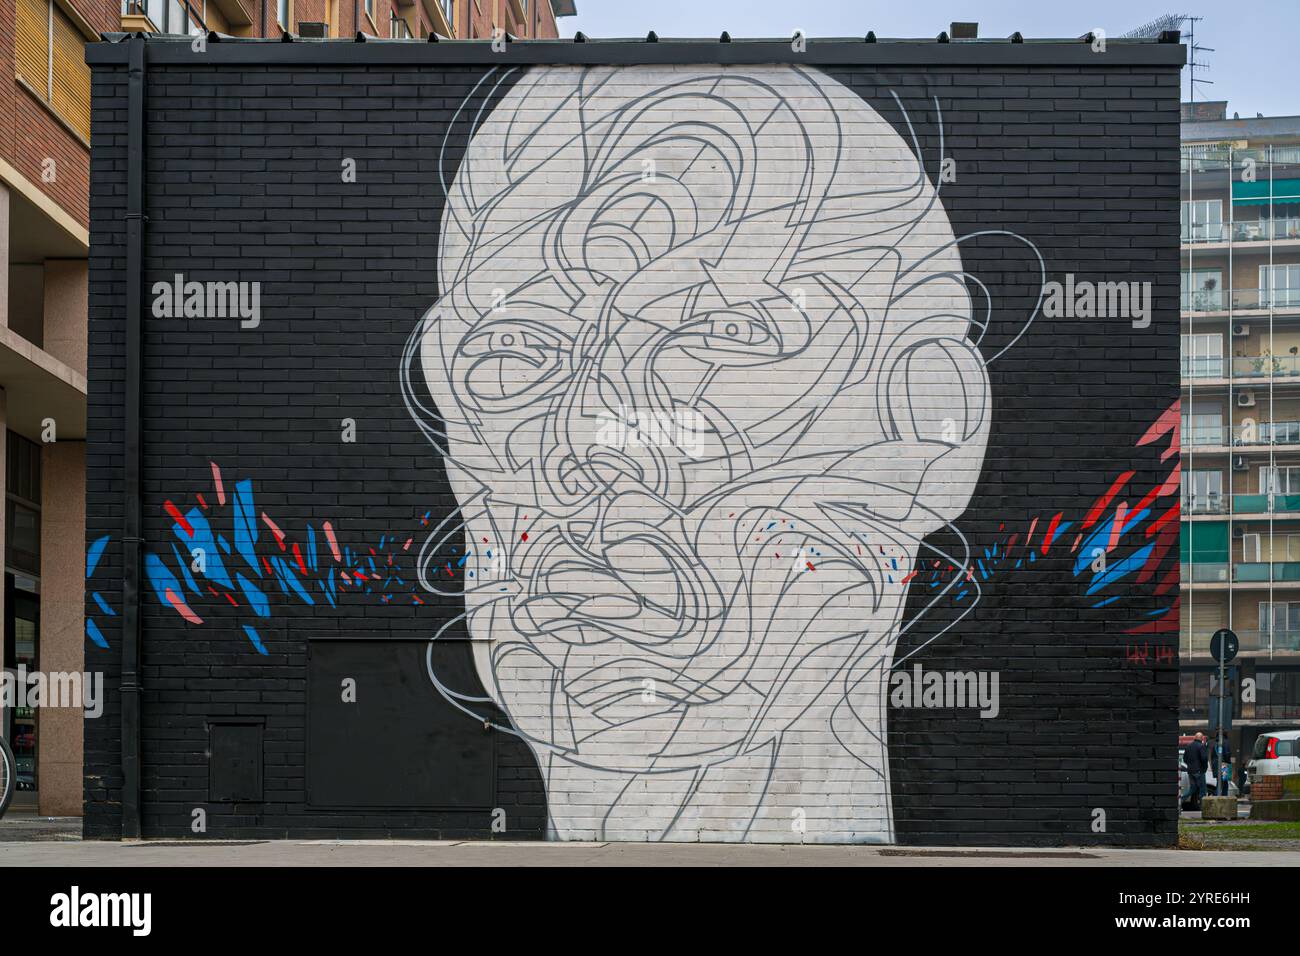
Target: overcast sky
[[1253, 65]]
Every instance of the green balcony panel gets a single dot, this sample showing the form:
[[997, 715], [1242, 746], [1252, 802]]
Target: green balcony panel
[[1249, 504], [1253, 572], [1203, 542], [1258, 192]]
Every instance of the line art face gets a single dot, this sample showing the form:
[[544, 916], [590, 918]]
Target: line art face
[[705, 373]]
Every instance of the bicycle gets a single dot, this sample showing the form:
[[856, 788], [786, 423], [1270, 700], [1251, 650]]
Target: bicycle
[[8, 776]]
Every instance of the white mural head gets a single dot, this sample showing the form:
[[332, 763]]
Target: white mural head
[[704, 380]]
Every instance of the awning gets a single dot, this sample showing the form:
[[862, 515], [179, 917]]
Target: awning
[[1257, 193]]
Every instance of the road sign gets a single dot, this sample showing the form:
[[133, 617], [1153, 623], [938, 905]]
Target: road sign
[[1224, 645]]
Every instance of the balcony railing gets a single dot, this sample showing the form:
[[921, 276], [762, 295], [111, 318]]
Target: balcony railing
[[1202, 367], [1254, 230], [1209, 504], [1203, 572], [1240, 300], [1264, 504], [1258, 433], [1264, 572], [1255, 366], [1269, 641], [1263, 230]]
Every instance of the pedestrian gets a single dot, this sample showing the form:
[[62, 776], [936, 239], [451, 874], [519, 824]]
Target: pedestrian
[[1196, 758], [1221, 764]]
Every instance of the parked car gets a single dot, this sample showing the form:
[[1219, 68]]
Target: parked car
[[1211, 785], [1276, 752]]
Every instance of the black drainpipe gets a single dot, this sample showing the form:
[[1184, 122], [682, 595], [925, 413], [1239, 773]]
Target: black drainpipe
[[131, 501]]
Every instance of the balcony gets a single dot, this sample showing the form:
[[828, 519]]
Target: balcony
[[1269, 641], [1257, 367], [1266, 572], [1264, 504], [1207, 504], [1259, 434], [1240, 300], [1255, 230], [1203, 572]]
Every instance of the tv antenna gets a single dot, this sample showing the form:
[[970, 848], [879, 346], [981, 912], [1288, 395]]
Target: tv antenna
[[1184, 23]]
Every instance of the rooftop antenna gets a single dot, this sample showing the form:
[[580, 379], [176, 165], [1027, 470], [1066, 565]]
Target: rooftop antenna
[[1184, 23]]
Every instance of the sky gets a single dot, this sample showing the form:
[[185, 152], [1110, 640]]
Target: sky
[[1254, 42]]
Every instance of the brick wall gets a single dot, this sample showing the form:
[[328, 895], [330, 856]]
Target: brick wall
[[904, 487], [31, 131]]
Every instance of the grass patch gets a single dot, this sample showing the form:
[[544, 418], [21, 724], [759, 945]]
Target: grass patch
[[1285, 830]]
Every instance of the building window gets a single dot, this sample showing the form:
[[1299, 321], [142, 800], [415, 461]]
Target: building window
[[51, 62], [1202, 356], [1202, 290], [370, 10], [1277, 693], [397, 28], [1202, 220], [1203, 492], [1279, 285], [282, 15], [449, 11], [1203, 424]]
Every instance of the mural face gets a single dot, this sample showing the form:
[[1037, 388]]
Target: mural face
[[703, 386]]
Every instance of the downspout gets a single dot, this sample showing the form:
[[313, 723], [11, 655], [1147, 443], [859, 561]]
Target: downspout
[[131, 499]]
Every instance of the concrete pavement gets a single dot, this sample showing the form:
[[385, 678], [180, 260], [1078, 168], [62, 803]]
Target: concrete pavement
[[354, 853]]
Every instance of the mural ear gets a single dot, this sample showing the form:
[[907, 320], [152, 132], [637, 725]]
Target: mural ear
[[938, 393]]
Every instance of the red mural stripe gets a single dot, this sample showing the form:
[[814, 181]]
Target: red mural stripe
[[179, 518], [1102, 502], [1050, 534], [216, 483]]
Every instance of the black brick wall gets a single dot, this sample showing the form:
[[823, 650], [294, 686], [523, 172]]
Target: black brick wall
[[243, 182]]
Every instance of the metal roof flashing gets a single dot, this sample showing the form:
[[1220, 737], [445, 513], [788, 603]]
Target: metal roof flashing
[[852, 51]]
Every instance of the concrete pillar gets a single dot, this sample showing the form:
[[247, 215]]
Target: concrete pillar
[[66, 304], [63, 571]]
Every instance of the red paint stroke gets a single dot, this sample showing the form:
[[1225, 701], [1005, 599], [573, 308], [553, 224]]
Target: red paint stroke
[[1121, 511], [179, 518], [269, 570], [1157, 555], [216, 482], [333, 541], [297, 556], [1164, 519], [1050, 534], [1075, 547], [909, 577], [407, 546], [1168, 422], [202, 504], [232, 600], [1029, 538], [524, 536], [810, 566], [182, 608], [1101, 504], [275, 530]]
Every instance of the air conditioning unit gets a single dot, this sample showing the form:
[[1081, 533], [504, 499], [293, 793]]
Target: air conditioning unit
[[1240, 330], [1239, 463], [1238, 531], [313, 30], [1245, 399]]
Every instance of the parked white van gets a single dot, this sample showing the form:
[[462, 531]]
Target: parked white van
[[1276, 752]]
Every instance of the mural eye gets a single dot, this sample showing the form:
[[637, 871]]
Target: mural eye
[[735, 328], [510, 359], [514, 340]]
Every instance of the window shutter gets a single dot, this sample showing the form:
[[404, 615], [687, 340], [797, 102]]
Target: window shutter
[[34, 44], [71, 94]]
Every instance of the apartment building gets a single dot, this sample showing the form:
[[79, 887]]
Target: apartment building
[[389, 19], [44, 247], [1241, 415]]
